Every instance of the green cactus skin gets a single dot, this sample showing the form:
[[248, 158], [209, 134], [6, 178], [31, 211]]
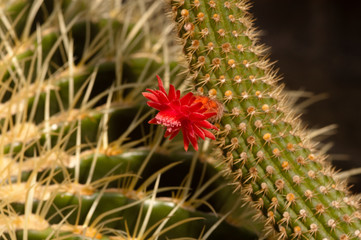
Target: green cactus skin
[[273, 163], [39, 228], [129, 163], [222, 200], [66, 235], [64, 126], [18, 11], [47, 117], [113, 200], [68, 232]]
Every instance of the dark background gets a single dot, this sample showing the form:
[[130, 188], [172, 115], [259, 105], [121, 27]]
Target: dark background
[[317, 47]]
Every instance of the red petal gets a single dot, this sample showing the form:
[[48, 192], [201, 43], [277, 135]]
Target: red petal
[[195, 107], [214, 127], [176, 102], [196, 146], [195, 116], [157, 106], [192, 136], [171, 131], [153, 121], [210, 114], [172, 93], [208, 134], [194, 142], [199, 132], [186, 98], [206, 124], [150, 96], [167, 133], [163, 97], [185, 141], [155, 92], [160, 85], [174, 134]]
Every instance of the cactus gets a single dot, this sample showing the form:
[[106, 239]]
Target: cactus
[[272, 162], [78, 159]]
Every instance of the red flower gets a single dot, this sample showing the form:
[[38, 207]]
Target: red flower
[[178, 113]]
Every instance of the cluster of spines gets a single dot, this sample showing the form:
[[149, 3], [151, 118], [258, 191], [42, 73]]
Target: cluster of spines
[[48, 150], [260, 138]]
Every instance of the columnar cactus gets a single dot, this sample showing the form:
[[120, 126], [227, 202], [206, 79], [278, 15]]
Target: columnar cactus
[[77, 156], [271, 160]]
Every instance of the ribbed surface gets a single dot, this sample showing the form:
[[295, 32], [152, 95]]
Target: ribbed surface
[[271, 160]]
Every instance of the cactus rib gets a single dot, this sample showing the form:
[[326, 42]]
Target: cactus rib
[[78, 160], [273, 163], [117, 204]]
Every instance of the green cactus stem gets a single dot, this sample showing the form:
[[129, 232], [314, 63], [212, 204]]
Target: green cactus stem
[[31, 139], [75, 146], [117, 204], [60, 197], [217, 193], [273, 163], [38, 228]]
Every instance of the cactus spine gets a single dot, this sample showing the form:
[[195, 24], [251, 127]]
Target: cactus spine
[[78, 159], [270, 158]]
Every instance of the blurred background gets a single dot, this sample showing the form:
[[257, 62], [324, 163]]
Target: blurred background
[[317, 45]]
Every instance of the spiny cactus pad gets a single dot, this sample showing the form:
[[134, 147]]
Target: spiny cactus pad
[[272, 162]]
